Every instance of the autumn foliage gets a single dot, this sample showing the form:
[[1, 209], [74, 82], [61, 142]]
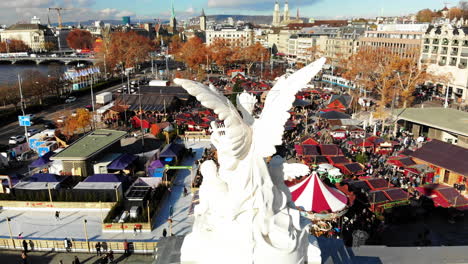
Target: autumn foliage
[[80, 39], [387, 75], [193, 53], [222, 53], [125, 49], [13, 45]]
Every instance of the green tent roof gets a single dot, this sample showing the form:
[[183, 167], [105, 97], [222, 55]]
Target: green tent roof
[[447, 119], [90, 145]]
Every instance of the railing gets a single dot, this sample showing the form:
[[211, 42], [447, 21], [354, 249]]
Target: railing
[[78, 245]]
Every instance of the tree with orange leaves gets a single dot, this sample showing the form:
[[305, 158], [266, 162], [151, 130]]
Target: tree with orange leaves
[[126, 49], [175, 44], [455, 12], [251, 55], [221, 53], [388, 75], [13, 45], [193, 53], [80, 39]]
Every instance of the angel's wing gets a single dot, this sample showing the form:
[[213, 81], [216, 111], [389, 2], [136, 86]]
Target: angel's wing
[[269, 128], [292, 170], [231, 140]]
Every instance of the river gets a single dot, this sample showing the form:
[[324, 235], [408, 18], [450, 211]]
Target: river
[[9, 72]]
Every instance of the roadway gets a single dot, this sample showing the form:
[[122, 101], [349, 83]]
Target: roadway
[[56, 111], [49, 114]]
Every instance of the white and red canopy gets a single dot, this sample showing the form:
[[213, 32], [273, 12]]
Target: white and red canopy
[[314, 196]]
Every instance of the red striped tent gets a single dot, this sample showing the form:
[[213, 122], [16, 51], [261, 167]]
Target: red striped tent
[[314, 196]]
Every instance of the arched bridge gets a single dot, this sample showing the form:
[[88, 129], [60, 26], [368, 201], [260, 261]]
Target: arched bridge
[[49, 59]]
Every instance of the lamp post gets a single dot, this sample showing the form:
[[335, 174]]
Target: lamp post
[[116, 193], [22, 107], [149, 218], [86, 234], [50, 193], [141, 118], [446, 96], [8, 219]]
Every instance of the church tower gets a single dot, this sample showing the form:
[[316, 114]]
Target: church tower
[[173, 21], [286, 11], [203, 20], [276, 15]]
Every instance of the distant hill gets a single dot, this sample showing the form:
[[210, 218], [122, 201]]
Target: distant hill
[[256, 20]]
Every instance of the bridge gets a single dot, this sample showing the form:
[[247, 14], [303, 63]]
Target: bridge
[[49, 59]]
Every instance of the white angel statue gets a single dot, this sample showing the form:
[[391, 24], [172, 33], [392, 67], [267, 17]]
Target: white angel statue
[[246, 214]]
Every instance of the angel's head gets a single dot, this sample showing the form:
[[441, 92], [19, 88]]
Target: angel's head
[[246, 102]]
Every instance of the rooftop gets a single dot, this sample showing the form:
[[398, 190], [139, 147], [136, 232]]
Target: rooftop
[[90, 145], [448, 119], [444, 155], [26, 27]]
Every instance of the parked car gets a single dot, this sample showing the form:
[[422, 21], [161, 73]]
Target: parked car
[[32, 131], [70, 99], [16, 139], [49, 125]]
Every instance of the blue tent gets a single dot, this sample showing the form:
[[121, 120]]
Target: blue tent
[[105, 178], [44, 177], [122, 162], [42, 161], [171, 151]]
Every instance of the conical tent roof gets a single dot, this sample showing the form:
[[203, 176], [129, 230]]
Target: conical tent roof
[[314, 196]]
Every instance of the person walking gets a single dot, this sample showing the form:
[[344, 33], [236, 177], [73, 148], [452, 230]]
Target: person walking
[[98, 249], [104, 246], [25, 246], [76, 260], [31, 245], [125, 247], [57, 215], [110, 256], [24, 257], [185, 191]]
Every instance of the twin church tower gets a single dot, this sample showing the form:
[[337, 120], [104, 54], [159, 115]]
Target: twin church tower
[[286, 18]]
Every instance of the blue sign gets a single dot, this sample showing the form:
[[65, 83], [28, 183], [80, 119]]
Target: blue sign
[[24, 120]]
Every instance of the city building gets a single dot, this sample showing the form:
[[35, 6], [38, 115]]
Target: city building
[[449, 162], [203, 20], [286, 19], [445, 51], [343, 44], [33, 35], [301, 45], [78, 159], [126, 20], [276, 15], [173, 21], [402, 39], [444, 124], [236, 36]]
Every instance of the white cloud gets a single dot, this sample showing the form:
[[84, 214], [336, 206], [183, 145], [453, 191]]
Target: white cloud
[[254, 4], [13, 11], [190, 10]]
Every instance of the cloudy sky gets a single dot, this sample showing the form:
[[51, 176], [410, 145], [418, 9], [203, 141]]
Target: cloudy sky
[[12, 11]]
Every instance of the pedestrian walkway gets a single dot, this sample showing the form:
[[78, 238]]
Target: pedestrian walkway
[[67, 258], [182, 221]]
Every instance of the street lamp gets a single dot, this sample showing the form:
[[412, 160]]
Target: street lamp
[[116, 193], [86, 234], [50, 193], [8, 219]]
